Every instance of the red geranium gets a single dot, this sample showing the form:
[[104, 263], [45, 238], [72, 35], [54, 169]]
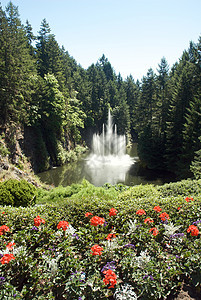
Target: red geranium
[[110, 278], [164, 216], [95, 221], [157, 208], [96, 250], [193, 230], [6, 258], [10, 246], [63, 224], [140, 212], [148, 220], [110, 236], [188, 199], [113, 212], [88, 214], [154, 231], [4, 229], [38, 220]]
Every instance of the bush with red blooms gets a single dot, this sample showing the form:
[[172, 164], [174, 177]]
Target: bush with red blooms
[[154, 231], [164, 216], [96, 250], [10, 246], [148, 221], [112, 212], [110, 236], [140, 212], [188, 199], [110, 278], [88, 214], [193, 230], [6, 258], [38, 220], [4, 229], [63, 224], [157, 208], [95, 221]]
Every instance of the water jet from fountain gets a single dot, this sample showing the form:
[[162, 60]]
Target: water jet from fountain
[[108, 158]]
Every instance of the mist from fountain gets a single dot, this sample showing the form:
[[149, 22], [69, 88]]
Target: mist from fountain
[[108, 161]]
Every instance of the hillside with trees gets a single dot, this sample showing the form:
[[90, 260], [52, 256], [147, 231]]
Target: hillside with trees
[[49, 103]]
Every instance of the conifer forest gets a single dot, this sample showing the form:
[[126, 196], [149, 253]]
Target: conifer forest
[[55, 102]]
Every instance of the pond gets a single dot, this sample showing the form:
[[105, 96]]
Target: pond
[[126, 171]]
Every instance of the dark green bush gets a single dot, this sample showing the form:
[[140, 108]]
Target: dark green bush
[[17, 193], [5, 196]]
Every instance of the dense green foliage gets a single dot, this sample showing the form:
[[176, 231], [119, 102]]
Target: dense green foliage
[[17, 193], [50, 263], [44, 89]]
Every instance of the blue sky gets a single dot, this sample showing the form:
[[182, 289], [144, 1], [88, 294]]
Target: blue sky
[[133, 34]]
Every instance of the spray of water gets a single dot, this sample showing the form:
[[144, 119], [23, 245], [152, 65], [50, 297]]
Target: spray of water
[[108, 159]]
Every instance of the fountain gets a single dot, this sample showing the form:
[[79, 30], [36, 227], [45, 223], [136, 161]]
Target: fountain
[[108, 161]]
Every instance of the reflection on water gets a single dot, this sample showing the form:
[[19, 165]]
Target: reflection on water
[[98, 173]]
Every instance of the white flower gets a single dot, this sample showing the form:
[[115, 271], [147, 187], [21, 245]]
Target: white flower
[[126, 292], [132, 226], [142, 259], [70, 230], [170, 229]]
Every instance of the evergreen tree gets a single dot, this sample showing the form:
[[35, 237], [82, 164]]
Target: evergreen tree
[[17, 67]]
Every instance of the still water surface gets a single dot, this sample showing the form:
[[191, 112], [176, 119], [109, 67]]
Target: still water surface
[[99, 174]]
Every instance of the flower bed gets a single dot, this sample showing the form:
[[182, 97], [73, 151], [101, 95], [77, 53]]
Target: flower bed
[[131, 247]]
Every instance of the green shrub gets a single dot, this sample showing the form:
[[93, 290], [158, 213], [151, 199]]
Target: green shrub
[[17, 193], [185, 187], [6, 197]]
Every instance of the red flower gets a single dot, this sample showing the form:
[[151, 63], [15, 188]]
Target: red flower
[[140, 212], [110, 236], [10, 246], [110, 278], [193, 230], [164, 216], [113, 212], [189, 198], [96, 250], [154, 231], [148, 220], [38, 221], [88, 214], [157, 208], [4, 229], [179, 207], [6, 258], [63, 224], [95, 221]]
